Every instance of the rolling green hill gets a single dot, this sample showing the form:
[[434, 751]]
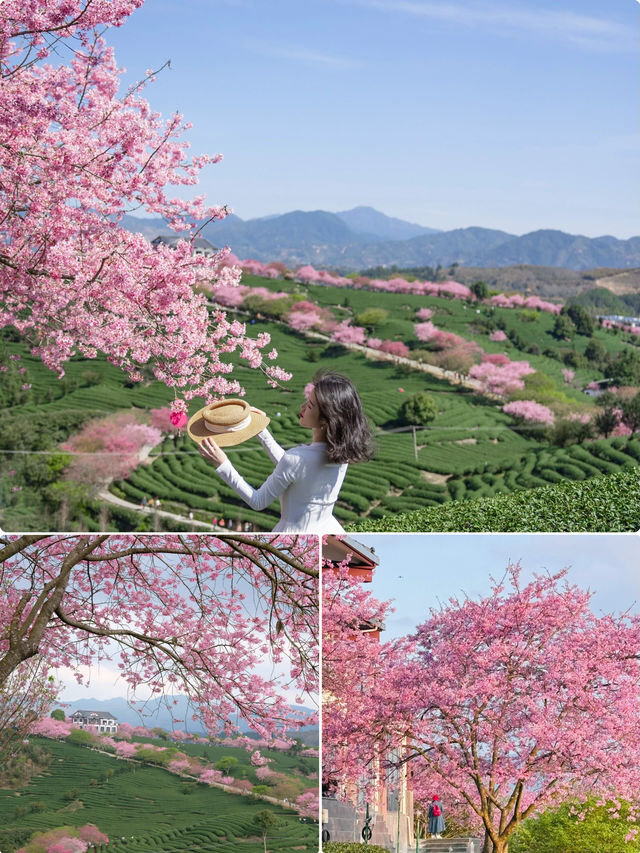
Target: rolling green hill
[[471, 450], [142, 809]]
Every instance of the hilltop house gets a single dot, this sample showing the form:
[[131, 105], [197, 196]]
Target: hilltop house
[[201, 246], [97, 722]]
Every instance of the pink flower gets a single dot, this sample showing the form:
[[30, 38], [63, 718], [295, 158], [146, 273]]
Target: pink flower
[[529, 410], [178, 419]]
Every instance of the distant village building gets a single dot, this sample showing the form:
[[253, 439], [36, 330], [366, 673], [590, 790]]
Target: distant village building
[[598, 387], [98, 722], [201, 246], [620, 319]]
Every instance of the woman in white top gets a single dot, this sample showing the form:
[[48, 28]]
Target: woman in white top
[[307, 478]]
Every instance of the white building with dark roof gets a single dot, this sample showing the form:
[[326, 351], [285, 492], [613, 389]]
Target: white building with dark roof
[[201, 246], [97, 722]]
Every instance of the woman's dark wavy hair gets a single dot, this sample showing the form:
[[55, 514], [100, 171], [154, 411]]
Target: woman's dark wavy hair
[[348, 432]]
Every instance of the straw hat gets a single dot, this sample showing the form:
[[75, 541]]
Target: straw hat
[[227, 422]]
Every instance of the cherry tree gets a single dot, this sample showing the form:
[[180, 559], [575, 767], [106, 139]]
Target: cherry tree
[[24, 698], [352, 661], [506, 705], [517, 300], [530, 411], [345, 333], [496, 378], [75, 157], [109, 448], [186, 614], [397, 348]]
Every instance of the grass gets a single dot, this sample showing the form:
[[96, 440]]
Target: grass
[[144, 809], [470, 451]]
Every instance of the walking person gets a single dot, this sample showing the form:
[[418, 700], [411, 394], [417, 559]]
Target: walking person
[[307, 478], [436, 818]]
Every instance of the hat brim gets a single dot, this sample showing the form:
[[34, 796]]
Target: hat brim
[[197, 429]]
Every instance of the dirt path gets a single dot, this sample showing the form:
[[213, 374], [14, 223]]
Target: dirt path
[[448, 375], [108, 497]]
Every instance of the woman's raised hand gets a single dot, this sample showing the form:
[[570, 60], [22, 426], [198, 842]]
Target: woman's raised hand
[[210, 451]]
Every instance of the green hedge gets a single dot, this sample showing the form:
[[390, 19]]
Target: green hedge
[[599, 504], [351, 847]]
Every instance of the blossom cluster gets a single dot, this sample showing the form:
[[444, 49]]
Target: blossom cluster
[[78, 156], [530, 411]]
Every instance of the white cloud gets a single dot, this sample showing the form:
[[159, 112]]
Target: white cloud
[[301, 54], [582, 30]]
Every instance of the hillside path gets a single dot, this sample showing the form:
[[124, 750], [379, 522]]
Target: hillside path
[[453, 377], [449, 375], [109, 497]]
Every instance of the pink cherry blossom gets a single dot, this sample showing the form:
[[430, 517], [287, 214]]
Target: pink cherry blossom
[[500, 379], [513, 698], [530, 411], [345, 333], [79, 155], [424, 314], [188, 614]]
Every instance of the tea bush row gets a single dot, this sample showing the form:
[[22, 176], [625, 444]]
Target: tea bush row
[[609, 503]]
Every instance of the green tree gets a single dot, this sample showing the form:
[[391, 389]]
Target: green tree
[[80, 736], [631, 413], [419, 409], [372, 317], [479, 290], [580, 317], [58, 714], [40, 471], [296, 747], [226, 763], [563, 328], [573, 358], [560, 831], [265, 821], [606, 420], [595, 351], [625, 368], [566, 432]]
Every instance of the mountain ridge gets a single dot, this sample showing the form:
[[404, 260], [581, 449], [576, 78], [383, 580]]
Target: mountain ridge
[[359, 238], [157, 713]]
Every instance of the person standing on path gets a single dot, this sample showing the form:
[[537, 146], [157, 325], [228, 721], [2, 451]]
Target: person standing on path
[[436, 818]]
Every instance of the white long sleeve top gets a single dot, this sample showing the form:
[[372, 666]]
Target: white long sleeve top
[[304, 481]]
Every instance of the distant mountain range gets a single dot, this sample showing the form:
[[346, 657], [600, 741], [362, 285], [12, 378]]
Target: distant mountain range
[[157, 713], [363, 237]]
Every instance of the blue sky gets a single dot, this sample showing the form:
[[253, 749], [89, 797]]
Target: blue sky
[[509, 114], [420, 571]]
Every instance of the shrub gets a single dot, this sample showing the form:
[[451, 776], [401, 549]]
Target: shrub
[[602, 504], [372, 317], [351, 847], [418, 409]]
